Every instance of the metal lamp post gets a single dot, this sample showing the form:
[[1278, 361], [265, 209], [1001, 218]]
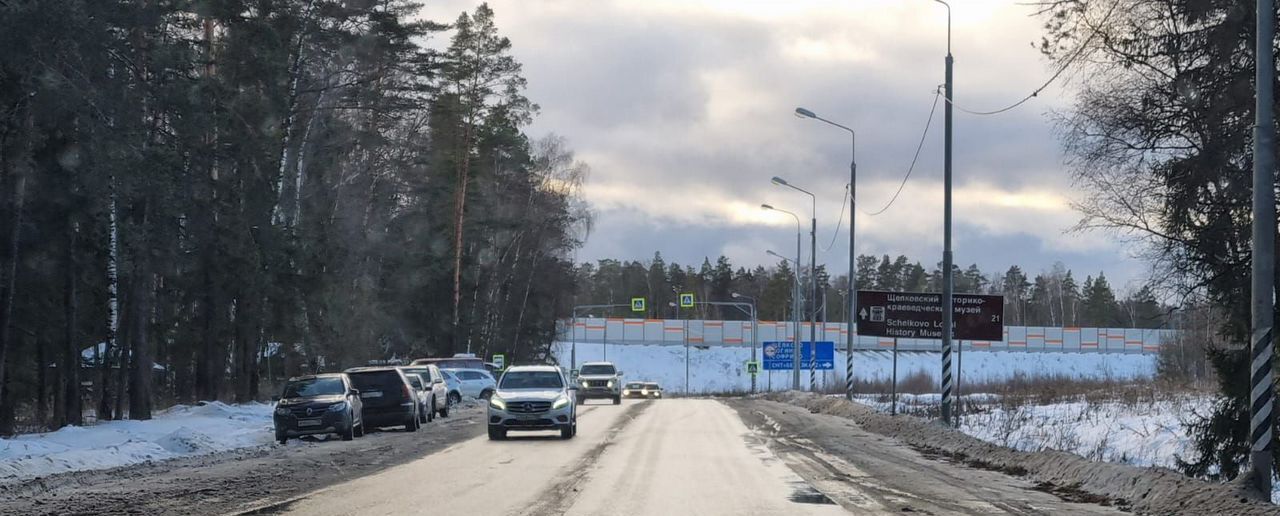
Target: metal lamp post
[[755, 332], [797, 299], [573, 330], [813, 277], [853, 211]]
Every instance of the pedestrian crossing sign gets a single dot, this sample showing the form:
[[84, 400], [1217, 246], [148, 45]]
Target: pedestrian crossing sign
[[637, 304], [753, 367], [686, 300]]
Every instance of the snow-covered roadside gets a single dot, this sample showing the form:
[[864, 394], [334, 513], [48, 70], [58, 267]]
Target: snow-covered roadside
[[723, 369], [1138, 434], [179, 431]]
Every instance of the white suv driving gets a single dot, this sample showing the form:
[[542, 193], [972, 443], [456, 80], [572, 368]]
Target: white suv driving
[[533, 398]]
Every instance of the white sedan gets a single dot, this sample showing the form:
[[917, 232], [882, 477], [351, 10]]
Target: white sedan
[[474, 383]]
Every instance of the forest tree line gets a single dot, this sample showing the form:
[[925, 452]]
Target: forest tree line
[[185, 184], [1051, 298]]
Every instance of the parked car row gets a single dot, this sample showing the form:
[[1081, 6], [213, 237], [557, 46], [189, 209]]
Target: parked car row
[[350, 402]]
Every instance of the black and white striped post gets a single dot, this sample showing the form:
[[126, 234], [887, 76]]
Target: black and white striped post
[[1261, 395]]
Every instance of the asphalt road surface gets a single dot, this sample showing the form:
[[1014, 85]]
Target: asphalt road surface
[[674, 456], [685, 456]]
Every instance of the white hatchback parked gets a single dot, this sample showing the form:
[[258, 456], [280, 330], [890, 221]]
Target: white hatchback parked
[[474, 383]]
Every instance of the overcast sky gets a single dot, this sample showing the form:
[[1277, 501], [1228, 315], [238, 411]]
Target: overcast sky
[[683, 109]]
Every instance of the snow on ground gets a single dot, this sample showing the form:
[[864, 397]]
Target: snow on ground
[[722, 368], [179, 431], [1148, 433]]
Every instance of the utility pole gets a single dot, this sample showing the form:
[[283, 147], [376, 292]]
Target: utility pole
[[947, 308], [1261, 400], [853, 279]]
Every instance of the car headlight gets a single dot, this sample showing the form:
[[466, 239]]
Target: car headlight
[[561, 402], [338, 407], [610, 384], [497, 403], [281, 411]]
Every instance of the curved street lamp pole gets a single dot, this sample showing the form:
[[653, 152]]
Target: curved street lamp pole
[[796, 298], [853, 278], [813, 281]]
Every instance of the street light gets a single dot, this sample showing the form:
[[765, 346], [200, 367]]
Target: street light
[[755, 332], [853, 210], [798, 301], [813, 276]]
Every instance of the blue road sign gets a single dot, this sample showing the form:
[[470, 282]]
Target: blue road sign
[[778, 355]]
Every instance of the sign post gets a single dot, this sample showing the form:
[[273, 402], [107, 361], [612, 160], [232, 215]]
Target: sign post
[[894, 411], [499, 361], [919, 315]]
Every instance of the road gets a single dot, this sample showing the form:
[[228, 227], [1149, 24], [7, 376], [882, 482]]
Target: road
[[677, 456], [683, 456]]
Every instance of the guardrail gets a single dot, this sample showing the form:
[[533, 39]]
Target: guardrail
[[617, 330]]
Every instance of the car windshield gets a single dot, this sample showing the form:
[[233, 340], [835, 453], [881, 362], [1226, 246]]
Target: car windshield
[[654, 386], [603, 369], [414, 380], [531, 380], [637, 385], [309, 387]]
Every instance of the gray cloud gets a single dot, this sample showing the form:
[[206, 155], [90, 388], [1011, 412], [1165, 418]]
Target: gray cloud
[[683, 110]]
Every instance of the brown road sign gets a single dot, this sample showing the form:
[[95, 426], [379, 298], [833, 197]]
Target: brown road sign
[[918, 315]]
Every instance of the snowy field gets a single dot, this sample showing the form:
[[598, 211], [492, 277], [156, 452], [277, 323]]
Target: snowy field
[[722, 369], [179, 431]]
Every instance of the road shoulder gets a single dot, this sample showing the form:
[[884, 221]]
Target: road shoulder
[[235, 481], [1069, 477]]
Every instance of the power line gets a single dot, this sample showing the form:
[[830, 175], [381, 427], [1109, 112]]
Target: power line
[[839, 219], [1070, 60], [919, 146]]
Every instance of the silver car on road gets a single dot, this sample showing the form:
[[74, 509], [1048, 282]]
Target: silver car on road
[[533, 398]]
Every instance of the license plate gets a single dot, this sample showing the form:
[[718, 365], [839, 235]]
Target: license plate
[[309, 422], [371, 394], [527, 416]]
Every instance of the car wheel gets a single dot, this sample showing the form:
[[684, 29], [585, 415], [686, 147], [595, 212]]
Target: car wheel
[[444, 412], [360, 429], [350, 432], [431, 412], [617, 400], [566, 431], [281, 437], [485, 394], [497, 433], [455, 398], [412, 424]]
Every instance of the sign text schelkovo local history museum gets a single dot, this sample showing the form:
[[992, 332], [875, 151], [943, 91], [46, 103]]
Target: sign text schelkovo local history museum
[[918, 315]]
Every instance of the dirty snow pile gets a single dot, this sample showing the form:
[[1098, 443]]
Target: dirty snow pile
[[1146, 433], [1140, 490], [179, 431]]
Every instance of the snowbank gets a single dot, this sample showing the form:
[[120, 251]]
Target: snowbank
[[722, 368], [1143, 490], [1137, 434], [176, 432]]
